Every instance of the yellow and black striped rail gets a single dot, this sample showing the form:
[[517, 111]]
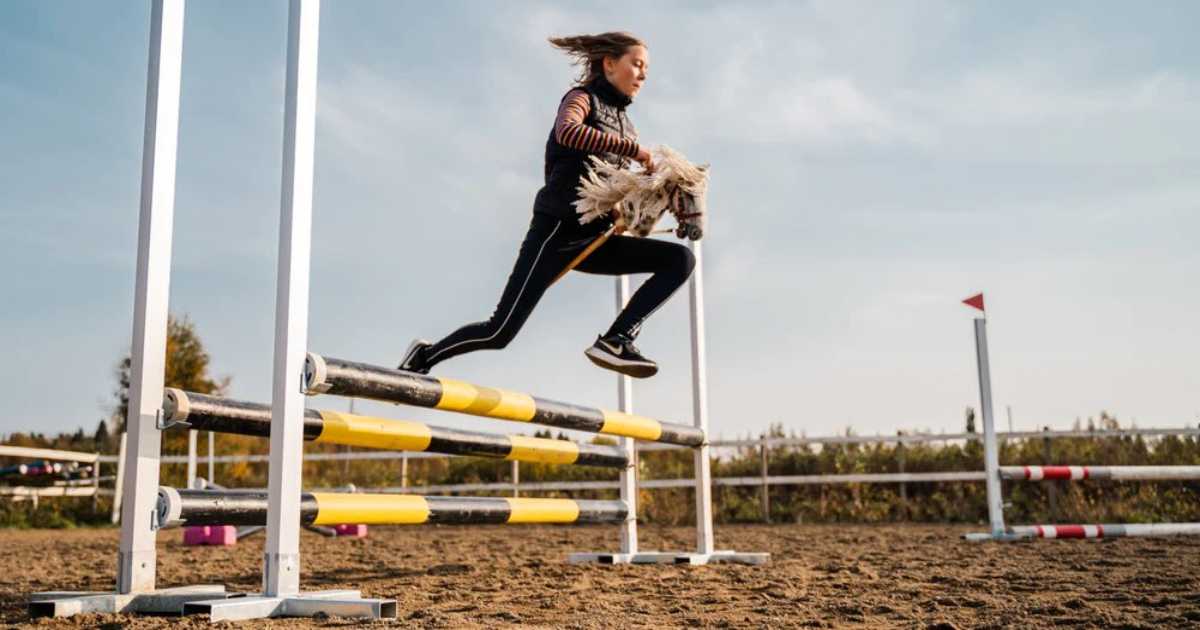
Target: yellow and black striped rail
[[221, 415], [236, 507], [326, 375]]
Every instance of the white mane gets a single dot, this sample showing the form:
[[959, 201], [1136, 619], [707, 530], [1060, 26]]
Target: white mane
[[641, 198]]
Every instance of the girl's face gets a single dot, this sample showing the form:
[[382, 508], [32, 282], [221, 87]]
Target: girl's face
[[627, 73]]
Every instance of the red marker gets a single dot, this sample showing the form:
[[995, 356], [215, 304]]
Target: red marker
[[976, 301]]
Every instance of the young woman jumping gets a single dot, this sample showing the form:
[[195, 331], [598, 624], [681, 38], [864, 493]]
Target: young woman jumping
[[591, 120]]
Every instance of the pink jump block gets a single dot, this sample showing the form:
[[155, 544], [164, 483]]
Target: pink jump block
[[223, 535], [354, 531]]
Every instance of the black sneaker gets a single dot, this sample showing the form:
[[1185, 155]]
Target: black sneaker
[[414, 357], [616, 353]]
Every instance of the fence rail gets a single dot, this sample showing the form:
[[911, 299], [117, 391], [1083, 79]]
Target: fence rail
[[46, 453], [924, 438], [774, 480], [54, 491]]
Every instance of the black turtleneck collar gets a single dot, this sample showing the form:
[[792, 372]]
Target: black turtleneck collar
[[609, 93]]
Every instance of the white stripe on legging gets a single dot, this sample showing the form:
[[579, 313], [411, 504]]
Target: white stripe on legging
[[515, 302]]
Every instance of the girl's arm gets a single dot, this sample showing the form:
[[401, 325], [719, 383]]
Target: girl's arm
[[570, 131]]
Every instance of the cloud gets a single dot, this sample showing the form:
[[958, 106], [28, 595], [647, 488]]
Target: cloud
[[1056, 113], [370, 117]]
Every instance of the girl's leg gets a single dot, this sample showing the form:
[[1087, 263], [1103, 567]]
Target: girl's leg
[[670, 263], [540, 260]]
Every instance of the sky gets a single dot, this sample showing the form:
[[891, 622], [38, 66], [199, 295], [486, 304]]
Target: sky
[[873, 163]]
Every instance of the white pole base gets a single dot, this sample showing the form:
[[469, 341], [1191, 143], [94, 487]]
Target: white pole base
[[341, 603], [986, 536], [162, 601], [670, 557]]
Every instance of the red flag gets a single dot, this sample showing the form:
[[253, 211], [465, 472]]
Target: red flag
[[976, 301]]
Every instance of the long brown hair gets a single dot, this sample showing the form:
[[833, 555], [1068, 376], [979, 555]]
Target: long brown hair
[[588, 51]]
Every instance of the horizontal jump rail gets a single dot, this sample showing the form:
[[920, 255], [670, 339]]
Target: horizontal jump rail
[[1115, 473], [210, 413], [220, 507], [326, 375], [1109, 530], [755, 443]]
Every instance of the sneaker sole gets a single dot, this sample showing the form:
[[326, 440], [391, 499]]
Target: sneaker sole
[[412, 347], [628, 368]]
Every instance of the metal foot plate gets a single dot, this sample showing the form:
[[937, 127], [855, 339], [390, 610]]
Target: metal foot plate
[[168, 601], [346, 603], [670, 557]]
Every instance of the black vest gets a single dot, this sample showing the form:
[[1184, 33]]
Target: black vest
[[565, 166]]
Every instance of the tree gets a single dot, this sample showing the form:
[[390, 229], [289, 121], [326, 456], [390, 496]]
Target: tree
[[102, 438], [186, 368]]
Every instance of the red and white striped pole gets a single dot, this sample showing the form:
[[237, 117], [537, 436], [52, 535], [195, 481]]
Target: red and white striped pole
[[1114, 473], [1113, 530]]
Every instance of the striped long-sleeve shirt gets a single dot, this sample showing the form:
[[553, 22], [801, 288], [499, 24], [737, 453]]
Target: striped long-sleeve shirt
[[570, 131]]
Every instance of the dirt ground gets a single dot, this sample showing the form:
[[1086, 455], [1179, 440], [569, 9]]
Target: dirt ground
[[819, 577]]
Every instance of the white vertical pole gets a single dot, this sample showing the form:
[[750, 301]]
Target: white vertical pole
[[703, 467], [404, 470], [991, 456], [281, 571], [136, 562], [515, 467], [119, 484], [764, 470], [96, 484], [212, 441], [628, 480], [191, 460], [347, 450]]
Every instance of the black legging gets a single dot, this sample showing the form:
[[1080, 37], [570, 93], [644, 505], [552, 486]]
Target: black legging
[[549, 247]]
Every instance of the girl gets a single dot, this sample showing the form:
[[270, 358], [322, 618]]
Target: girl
[[591, 120]]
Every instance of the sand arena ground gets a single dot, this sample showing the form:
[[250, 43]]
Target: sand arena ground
[[909, 576]]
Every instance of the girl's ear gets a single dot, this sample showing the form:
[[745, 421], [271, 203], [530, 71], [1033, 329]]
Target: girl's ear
[[608, 64]]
